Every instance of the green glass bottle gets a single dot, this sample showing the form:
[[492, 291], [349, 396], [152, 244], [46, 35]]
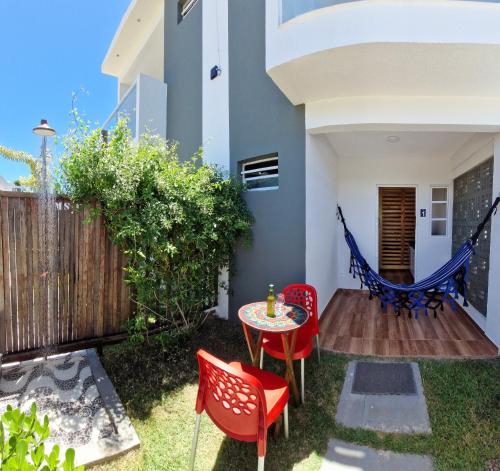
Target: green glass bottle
[[271, 301]]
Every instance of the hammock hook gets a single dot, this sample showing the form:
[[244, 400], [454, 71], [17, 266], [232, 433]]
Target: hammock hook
[[340, 217]]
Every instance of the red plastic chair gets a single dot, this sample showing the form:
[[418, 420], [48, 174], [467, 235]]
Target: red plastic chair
[[305, 296], [241, 400]]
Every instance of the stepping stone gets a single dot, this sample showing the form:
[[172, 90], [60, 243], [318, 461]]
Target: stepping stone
[[383, 396], [343, 456]]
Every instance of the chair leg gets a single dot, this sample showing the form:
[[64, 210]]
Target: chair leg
[[302, 380], [195, 441], [260, 466], [285, 415], [317, 346], [261, 358]]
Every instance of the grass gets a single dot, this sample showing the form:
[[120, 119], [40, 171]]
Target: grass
[[158, 391]]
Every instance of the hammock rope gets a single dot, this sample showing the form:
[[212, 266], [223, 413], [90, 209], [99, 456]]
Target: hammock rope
[[429, 294]]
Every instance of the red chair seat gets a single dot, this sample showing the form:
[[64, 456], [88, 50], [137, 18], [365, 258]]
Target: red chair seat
[[273, 346], [275, 389], [241, 400]]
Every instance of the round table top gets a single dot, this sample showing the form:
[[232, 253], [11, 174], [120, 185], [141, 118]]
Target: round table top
[[290, 317]]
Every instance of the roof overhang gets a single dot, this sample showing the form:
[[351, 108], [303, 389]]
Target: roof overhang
[[137, 25], [386, 48], [404, 113]]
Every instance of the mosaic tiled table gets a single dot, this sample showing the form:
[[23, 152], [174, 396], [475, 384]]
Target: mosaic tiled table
[[289, 318]]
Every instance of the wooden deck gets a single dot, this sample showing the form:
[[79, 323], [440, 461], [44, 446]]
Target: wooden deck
[[353, 324]]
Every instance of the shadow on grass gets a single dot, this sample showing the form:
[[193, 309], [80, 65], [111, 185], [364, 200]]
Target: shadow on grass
[[463, 398], [144, 375]]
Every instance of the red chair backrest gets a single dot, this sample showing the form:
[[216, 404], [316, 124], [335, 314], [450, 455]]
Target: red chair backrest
[[234, 400], [305, 296]]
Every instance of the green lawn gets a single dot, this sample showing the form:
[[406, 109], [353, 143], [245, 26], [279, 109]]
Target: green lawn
[[159, 393]]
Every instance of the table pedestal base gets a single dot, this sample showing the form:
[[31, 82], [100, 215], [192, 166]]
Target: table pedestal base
[[255, 348]]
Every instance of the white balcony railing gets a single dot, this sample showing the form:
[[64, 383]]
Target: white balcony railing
[[293, 8], [126, 109], [144, 105]]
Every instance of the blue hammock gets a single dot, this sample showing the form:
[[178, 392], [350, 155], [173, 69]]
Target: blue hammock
[[429, 294]]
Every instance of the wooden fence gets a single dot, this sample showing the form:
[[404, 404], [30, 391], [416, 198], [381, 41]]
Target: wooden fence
[[90, 298]]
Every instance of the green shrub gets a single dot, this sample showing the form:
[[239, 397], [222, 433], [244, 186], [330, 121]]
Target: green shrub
[[178, 222], [22, 446]]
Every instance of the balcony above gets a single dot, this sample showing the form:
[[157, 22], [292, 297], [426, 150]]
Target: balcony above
[[324, 49], [138, 45], [144, 106]]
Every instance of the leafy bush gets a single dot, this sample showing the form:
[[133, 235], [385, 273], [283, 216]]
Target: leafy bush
[[22, 446], [178, 222]]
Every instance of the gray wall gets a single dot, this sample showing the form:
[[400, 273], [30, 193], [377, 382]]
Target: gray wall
[[263, 121], [183, 76]]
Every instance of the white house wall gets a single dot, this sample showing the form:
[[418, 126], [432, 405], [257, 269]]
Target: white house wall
[[215, 92], [378, 22], [493, 320], [151, 106], [215, 119], [359, 178], [321, 230]]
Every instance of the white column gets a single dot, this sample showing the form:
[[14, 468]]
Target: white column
[[215, 119], [493, 319], [321, 219]]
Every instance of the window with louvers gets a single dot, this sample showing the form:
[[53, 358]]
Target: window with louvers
[[472, 197], [261, 173]]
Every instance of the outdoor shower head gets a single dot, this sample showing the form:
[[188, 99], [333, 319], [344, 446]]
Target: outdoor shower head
[[43, 129]]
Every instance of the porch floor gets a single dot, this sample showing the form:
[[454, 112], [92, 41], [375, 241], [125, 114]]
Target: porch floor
[[353, 324]]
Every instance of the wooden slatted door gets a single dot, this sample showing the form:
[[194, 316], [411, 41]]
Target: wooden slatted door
[[396, 227]]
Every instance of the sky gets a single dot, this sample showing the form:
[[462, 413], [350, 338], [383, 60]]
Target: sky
[[48, 50]]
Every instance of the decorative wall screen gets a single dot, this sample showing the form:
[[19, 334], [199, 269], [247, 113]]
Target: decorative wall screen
[[473, 192]]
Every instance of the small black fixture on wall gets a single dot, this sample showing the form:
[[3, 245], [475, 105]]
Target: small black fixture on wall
[[423, 213], [215, 71]]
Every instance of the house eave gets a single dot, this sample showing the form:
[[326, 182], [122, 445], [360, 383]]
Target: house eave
[[137, 24]]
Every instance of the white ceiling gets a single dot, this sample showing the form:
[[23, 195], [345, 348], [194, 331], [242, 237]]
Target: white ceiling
[[434, 145]]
